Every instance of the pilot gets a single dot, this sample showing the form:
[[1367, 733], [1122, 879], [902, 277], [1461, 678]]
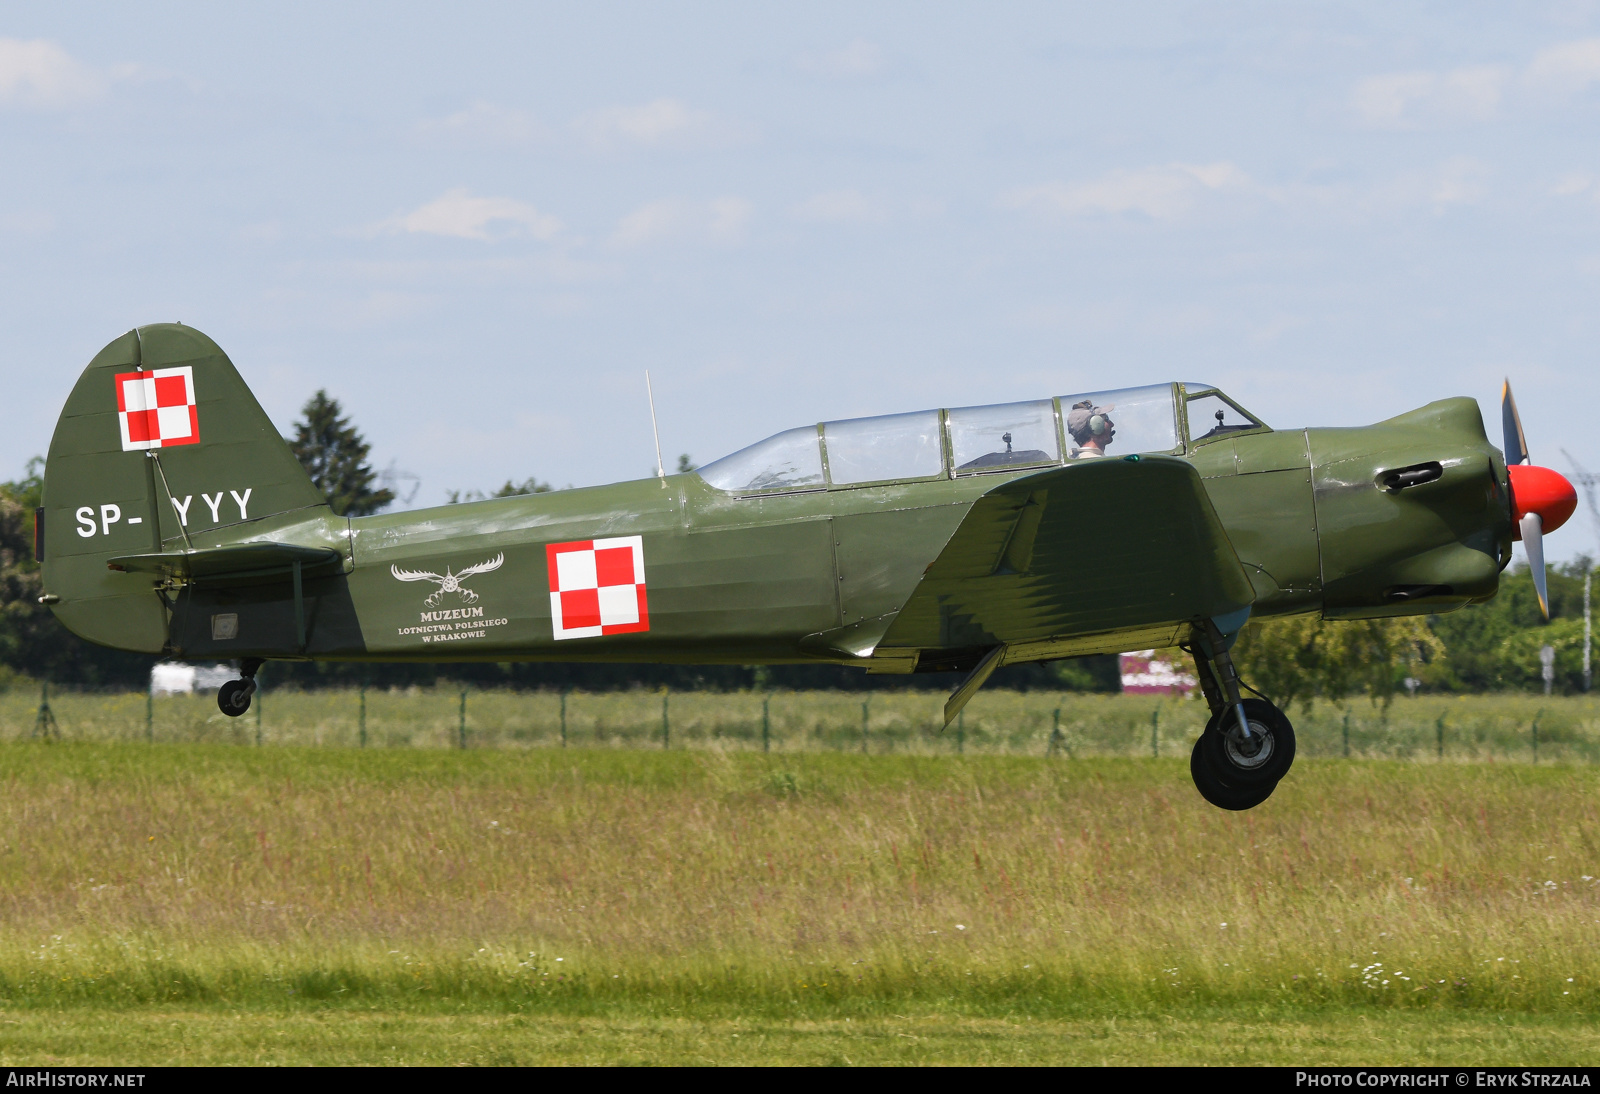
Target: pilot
[[1091, 429]]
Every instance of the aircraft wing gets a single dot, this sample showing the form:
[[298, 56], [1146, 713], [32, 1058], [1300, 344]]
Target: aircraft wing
[[1086, 558]]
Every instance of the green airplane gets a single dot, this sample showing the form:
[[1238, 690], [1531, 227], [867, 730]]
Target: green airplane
[[176, 521]]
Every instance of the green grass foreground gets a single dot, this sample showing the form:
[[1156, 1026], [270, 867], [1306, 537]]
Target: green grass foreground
[[209, 903]]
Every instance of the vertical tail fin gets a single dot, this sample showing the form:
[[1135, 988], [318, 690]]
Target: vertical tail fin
[[160, 447]]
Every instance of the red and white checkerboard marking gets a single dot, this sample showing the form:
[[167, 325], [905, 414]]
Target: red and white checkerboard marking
[[156, 409], [597, 587]]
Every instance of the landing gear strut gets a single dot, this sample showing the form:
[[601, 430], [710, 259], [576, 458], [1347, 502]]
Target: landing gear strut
[[1247, 745], [234, 697]]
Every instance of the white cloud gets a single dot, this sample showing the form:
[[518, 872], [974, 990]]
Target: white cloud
[[663, 123], [839, 207], [463, 216], [33, 222], [41, 74], [377, 308], [1161, 193], [1409, 100], [483, 123], [1567, 68], [266, 231], [1423, 99], [859, 58], [721, 220], [1172, 191], [1574, 182], [1458, 181], [335, 308]]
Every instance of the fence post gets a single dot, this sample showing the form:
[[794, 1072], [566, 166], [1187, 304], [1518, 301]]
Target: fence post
[[766, 725], [1536, 718], [44, 725], [1055, 733], [1439, 727], [563, 717], [961, 733], [666, 722], [462, 727], [361, 722], [1155, 730], [864, 716], [1347, 734]]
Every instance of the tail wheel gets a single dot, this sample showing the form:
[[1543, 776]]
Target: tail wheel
[[1221, 794], [234, 697], [1259, 758]]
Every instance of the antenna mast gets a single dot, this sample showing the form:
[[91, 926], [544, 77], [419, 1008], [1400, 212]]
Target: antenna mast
[[661, 469]]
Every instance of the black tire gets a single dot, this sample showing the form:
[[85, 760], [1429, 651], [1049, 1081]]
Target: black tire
[[233, 698], [1219, 793], [1224, 751]]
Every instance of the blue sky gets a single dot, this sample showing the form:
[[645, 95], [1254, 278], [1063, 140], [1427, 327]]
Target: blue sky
[[478, 225]]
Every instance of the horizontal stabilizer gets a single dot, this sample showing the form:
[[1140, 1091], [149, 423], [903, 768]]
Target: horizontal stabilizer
[[235, 562]]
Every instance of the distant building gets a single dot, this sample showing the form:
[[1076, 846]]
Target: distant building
[[176, 678], [1143, 673]]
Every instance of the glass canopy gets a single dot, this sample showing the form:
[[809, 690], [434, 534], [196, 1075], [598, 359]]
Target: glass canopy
[[974, 440]]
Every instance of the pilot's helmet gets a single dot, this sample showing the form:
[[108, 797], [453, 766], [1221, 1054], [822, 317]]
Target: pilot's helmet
[[1087, 422]]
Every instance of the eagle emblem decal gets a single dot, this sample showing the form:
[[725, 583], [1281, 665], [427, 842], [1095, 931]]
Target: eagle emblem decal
[[449, 582]]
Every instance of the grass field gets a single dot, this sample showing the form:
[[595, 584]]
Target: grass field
[[212, 903], [1523, 728]]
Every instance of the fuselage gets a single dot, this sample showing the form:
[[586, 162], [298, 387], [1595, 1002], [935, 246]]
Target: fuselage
[[692, 572]]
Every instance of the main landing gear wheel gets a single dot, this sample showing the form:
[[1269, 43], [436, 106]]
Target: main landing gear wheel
[[1235, 771], [1219, 793], [1259, 758], [1248, 744]]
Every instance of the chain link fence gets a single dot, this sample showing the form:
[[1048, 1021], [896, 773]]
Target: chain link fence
[[1526, 729]]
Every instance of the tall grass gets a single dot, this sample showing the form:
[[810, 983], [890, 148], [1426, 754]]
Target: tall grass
[[1519, 728], [725, 881]]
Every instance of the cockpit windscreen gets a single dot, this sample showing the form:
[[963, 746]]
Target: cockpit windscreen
[[1212, 416], [790, 460]]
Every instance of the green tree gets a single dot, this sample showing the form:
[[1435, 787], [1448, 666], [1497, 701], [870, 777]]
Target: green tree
[[1306, 657], [1097, 672], [335, 456], [32, 643], [22, 617], [1495, 645], [511, 489]]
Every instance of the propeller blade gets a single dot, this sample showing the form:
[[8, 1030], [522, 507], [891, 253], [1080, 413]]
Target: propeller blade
[[1511, 422], [1533, 543]]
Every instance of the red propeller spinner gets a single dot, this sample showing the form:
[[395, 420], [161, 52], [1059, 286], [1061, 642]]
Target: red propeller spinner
[[1542, 491], [1541, 499]]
